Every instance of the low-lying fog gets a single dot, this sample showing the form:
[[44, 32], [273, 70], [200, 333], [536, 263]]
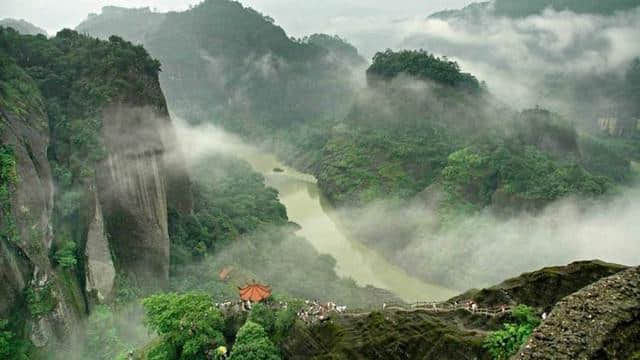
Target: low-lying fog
[[483, 250]]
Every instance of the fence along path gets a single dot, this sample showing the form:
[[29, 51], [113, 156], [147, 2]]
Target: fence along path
[[445, 307], [320, 313], [314, 311]]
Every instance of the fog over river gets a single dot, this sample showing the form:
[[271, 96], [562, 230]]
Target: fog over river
[[307, 207]]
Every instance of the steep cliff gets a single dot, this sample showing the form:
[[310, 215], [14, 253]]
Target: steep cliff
[[29, 280], [132, 186], [90, 166]]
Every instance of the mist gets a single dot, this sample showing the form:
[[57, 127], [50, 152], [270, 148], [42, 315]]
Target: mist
[[486, 248], [523, 60], [480, 250]]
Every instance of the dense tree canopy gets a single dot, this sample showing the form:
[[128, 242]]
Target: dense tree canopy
[[189, 324], [422, 65], [252, 343]]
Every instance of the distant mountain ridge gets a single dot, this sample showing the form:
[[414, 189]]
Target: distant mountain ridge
[[224, 61], [22, 26], [524, 8]]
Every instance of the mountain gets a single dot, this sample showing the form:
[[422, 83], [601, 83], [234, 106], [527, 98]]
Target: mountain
[[523, 8], [131, 24], [88, 171], [230, 64], [23, 27]]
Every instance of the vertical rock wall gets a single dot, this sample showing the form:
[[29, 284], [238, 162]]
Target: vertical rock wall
[[25, 265], [132, 187]]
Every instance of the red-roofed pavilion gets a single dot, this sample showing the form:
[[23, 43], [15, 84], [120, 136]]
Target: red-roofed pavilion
[[254, 292]]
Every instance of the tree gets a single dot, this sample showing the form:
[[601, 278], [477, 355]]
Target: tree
[[189, 324], [66, 255], [11, 348], [504, 343], [263, 316], [103, 340], [252, 343]]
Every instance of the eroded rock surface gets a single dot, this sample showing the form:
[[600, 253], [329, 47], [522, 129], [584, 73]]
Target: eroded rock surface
[[601, 321], [100, 272]]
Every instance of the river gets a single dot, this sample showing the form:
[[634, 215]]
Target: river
[[307, 207]]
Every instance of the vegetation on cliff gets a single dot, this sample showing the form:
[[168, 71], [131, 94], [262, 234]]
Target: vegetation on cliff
[[53, 93], [8, 178], [502, 344]]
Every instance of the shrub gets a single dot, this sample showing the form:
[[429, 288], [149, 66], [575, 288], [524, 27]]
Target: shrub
[[504, 343], [252, 343], [189, 324], [103, 341], [66, 255], [263, 316], [11, 347], [40, 300]]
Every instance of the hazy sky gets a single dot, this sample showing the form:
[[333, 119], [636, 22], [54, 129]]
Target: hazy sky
[[362, 21]]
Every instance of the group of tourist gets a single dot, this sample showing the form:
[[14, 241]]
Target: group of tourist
[[314, 311]]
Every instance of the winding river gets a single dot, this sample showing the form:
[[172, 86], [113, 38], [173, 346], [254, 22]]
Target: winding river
[[307, 207]]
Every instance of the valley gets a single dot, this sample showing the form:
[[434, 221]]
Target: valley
[[307, 206], [198, 184]]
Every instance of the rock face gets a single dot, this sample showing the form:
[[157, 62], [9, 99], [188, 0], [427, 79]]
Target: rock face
[[386, 335], [544, 288], [601, 321], [112, 183], [610, 298], [132, 185], [27, 236], [100, 271], [612, 126]]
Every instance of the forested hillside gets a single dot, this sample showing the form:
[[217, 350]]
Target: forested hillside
[[397, 141], [228, 62], [98, 211]]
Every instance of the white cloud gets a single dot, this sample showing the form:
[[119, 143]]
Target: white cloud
[[514, 55]]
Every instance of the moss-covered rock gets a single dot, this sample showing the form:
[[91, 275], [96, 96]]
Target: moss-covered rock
[[543, 288], [601, 321], [388, 335]]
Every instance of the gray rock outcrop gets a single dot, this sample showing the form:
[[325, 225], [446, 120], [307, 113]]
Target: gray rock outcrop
[[601, 321]]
